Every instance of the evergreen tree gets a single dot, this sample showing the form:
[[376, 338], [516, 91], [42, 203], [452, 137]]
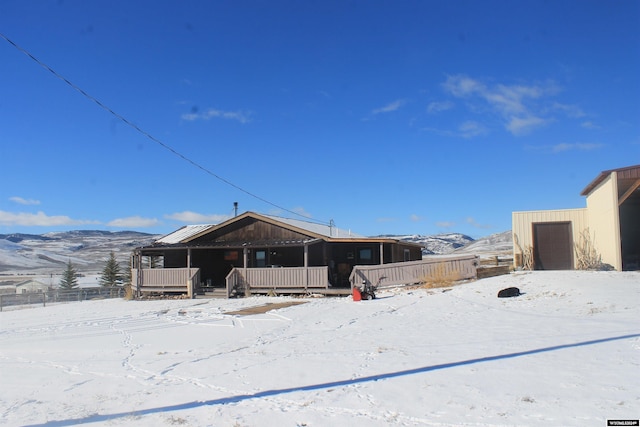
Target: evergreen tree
[[69, 277], [111, 275]]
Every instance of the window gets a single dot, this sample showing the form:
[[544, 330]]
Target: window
[[261, 258], [365, 254], [407, 255]]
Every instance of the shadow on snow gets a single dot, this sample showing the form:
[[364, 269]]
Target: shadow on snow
[[240, 398]]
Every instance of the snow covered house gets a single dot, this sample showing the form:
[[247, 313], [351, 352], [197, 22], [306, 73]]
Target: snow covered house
[[265, 253], [610, 223]]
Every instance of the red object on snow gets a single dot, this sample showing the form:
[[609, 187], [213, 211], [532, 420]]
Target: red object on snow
[[357, 296]]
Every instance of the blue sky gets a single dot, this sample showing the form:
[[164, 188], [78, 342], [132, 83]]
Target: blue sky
[[387, 117]]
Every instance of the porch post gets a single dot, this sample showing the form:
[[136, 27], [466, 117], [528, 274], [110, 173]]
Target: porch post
[[189, 284], [381, 253], [306, 265]]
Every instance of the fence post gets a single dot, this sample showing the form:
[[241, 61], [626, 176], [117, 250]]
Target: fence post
[[0, 302]]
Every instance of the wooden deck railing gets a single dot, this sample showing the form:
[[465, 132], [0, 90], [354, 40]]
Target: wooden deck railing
[[165, 280], [406, 273], [239, 280]]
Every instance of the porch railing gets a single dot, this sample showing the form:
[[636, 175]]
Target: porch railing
[[406, 273], [165, 280], [241, 280]]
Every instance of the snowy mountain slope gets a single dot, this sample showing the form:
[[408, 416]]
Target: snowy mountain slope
[[438, 244], [48, 253], [88, 249]]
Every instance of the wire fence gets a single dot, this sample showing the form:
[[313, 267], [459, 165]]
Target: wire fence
[[58, 296]]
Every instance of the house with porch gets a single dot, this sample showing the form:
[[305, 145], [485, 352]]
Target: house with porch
[[262, 253]]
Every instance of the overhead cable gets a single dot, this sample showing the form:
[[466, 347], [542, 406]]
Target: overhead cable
[[148, 135]]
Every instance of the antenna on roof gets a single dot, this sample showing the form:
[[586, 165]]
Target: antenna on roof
[[235, 208]]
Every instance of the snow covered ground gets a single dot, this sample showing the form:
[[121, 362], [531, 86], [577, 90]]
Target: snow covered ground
[[566, 352]]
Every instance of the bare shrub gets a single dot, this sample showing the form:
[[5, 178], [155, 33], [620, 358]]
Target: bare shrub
[[440, 277], [128, 292], [587, 257]]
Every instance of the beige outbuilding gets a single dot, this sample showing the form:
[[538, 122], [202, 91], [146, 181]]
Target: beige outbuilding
[[609, 225]]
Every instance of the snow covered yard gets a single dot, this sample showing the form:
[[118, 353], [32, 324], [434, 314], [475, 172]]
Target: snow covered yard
[[566, 352]]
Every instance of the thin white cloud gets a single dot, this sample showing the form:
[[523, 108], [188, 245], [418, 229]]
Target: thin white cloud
[[469, 129], [212, 113], [39, 219], [445, 224], [415, 218], [516, 104], [589, 125], [558, 148], [393, 106], [436, 107], [133, 222], [570, 110], [22, 201], [523, 125], [471, 221], [189, 217], [385, 219], [301, 211]]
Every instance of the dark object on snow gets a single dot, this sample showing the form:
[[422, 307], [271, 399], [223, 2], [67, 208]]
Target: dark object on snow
[[509, 292]]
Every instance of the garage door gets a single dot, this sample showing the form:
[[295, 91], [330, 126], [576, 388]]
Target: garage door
[[553, 246]]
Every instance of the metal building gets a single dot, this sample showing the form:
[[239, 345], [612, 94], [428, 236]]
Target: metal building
[[611, 222]]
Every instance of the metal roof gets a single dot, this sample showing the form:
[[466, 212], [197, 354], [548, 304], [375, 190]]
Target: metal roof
[[322, 229], [184, 233], [630, 174]]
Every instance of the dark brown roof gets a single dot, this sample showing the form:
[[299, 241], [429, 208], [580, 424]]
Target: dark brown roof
[[626, 177]]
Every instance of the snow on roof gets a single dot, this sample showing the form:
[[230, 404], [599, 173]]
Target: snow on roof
[[184, 233]]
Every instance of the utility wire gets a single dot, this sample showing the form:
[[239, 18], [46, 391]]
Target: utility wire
[[148, 135]]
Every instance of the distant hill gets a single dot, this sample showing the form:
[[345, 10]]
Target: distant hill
[[48, 253], [438, 244], [89, 249]]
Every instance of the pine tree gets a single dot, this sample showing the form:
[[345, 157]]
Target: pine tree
[[111, 275], [69, 277]]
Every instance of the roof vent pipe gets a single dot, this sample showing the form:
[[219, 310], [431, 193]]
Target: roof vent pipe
[[331, 225], [235, 208]]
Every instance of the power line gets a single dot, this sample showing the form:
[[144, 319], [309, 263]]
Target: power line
[[146, 134]]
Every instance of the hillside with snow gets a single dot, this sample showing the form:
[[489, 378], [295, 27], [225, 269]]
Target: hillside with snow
[[88, 249], [50, 252]]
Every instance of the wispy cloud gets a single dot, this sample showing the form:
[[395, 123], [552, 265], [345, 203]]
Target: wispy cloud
[[21, 201], [436, 107], [301, 211], [470, 129], [415, 218], [385, 219], [393, 106], [189, 217], [133, 222], [558, 148], [517, 105], [588, 124], [471, 221], [212, 113], [445, 224], [39, 219]]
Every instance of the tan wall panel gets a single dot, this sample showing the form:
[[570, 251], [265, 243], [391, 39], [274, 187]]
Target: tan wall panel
[[604, 221], [522, 224]]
